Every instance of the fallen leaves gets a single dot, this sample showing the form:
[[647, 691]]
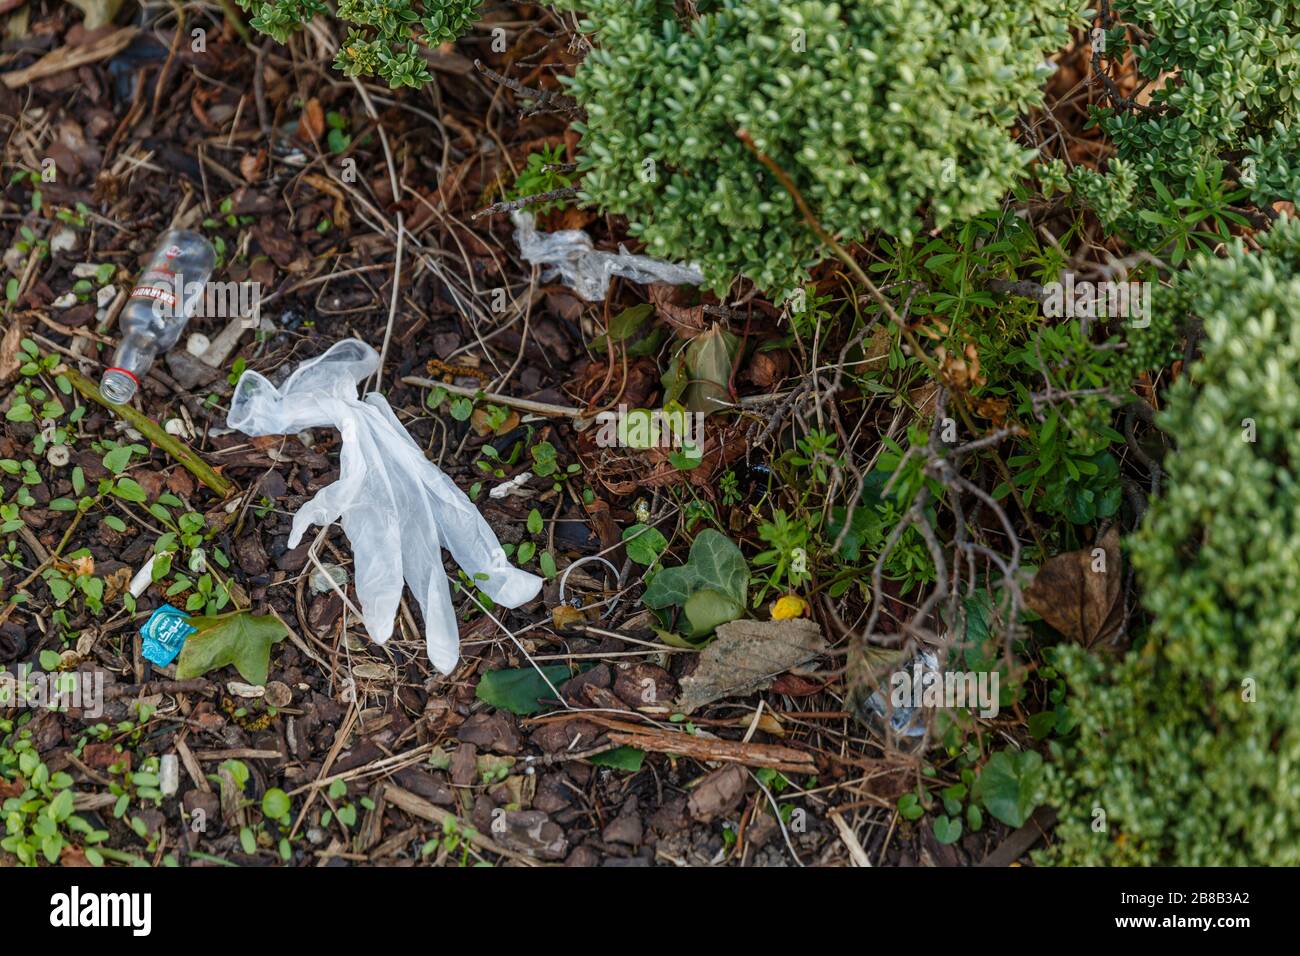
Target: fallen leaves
[[11, 353], [238, 638], [341, 218], [746, 656], [1080, 593], [311, 124], [70, 57], [718, 794], [521, 690]]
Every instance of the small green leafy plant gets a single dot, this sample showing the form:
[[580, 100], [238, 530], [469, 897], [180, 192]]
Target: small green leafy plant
[[711, 588], [385, 37]]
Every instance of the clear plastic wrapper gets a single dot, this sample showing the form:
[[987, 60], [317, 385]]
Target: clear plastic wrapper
[[397, 509], [571, 255]]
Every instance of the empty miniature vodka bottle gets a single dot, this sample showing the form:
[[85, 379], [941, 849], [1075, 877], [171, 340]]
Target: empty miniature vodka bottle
[[167, 294]]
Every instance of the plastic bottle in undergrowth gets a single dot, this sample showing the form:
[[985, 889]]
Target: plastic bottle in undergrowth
[[161, 303]]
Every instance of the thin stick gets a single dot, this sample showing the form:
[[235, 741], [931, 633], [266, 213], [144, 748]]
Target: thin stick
[[392, 303], [545, 97], [510, 205], [151, 430], [523, 404]]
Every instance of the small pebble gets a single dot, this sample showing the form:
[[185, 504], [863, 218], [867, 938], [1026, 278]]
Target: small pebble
[[198, 344], [278, 694], [65, 240]]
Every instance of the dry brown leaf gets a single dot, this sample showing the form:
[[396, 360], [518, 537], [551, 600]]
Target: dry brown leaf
[[746, 656], [11, 351], [252, 165], [564, 616], [479, 420], [718, 794], [687, 320], [312, 123], [1080, 593], [766, 369], [69, 57], [323, 184], [116, 583]]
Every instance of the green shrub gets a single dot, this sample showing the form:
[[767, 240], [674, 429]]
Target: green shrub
[[889, 115], [1189, 743], [388, 43], [1226, 111]]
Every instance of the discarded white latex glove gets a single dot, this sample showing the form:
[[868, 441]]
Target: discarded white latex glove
[[397, 509]]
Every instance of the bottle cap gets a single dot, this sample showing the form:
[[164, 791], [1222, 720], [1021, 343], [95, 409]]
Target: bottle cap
[[118, 385]]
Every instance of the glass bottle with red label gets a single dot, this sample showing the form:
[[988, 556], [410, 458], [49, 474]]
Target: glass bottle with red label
[[169, 291]]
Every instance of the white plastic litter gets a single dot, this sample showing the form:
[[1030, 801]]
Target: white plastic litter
[[397, 509], [586, 270], [507, 488], [169, 775], [906, 721]]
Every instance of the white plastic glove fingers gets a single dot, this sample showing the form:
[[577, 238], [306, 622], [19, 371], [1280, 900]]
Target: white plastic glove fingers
[[259, 408], [474, 545], [420, 551], [465, 533], [334, 500], [441, 630], [372, 531]]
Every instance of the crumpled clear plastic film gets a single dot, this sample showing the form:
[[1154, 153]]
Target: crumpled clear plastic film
[[585, 269], [397, 509]]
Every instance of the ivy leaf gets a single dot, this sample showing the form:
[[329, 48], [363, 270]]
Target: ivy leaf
[[707, 609], [670, 587], [1008, 786], [237, 638], [719, 564], [620, 758], [520, 689], [715, 563], [644, 544]]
